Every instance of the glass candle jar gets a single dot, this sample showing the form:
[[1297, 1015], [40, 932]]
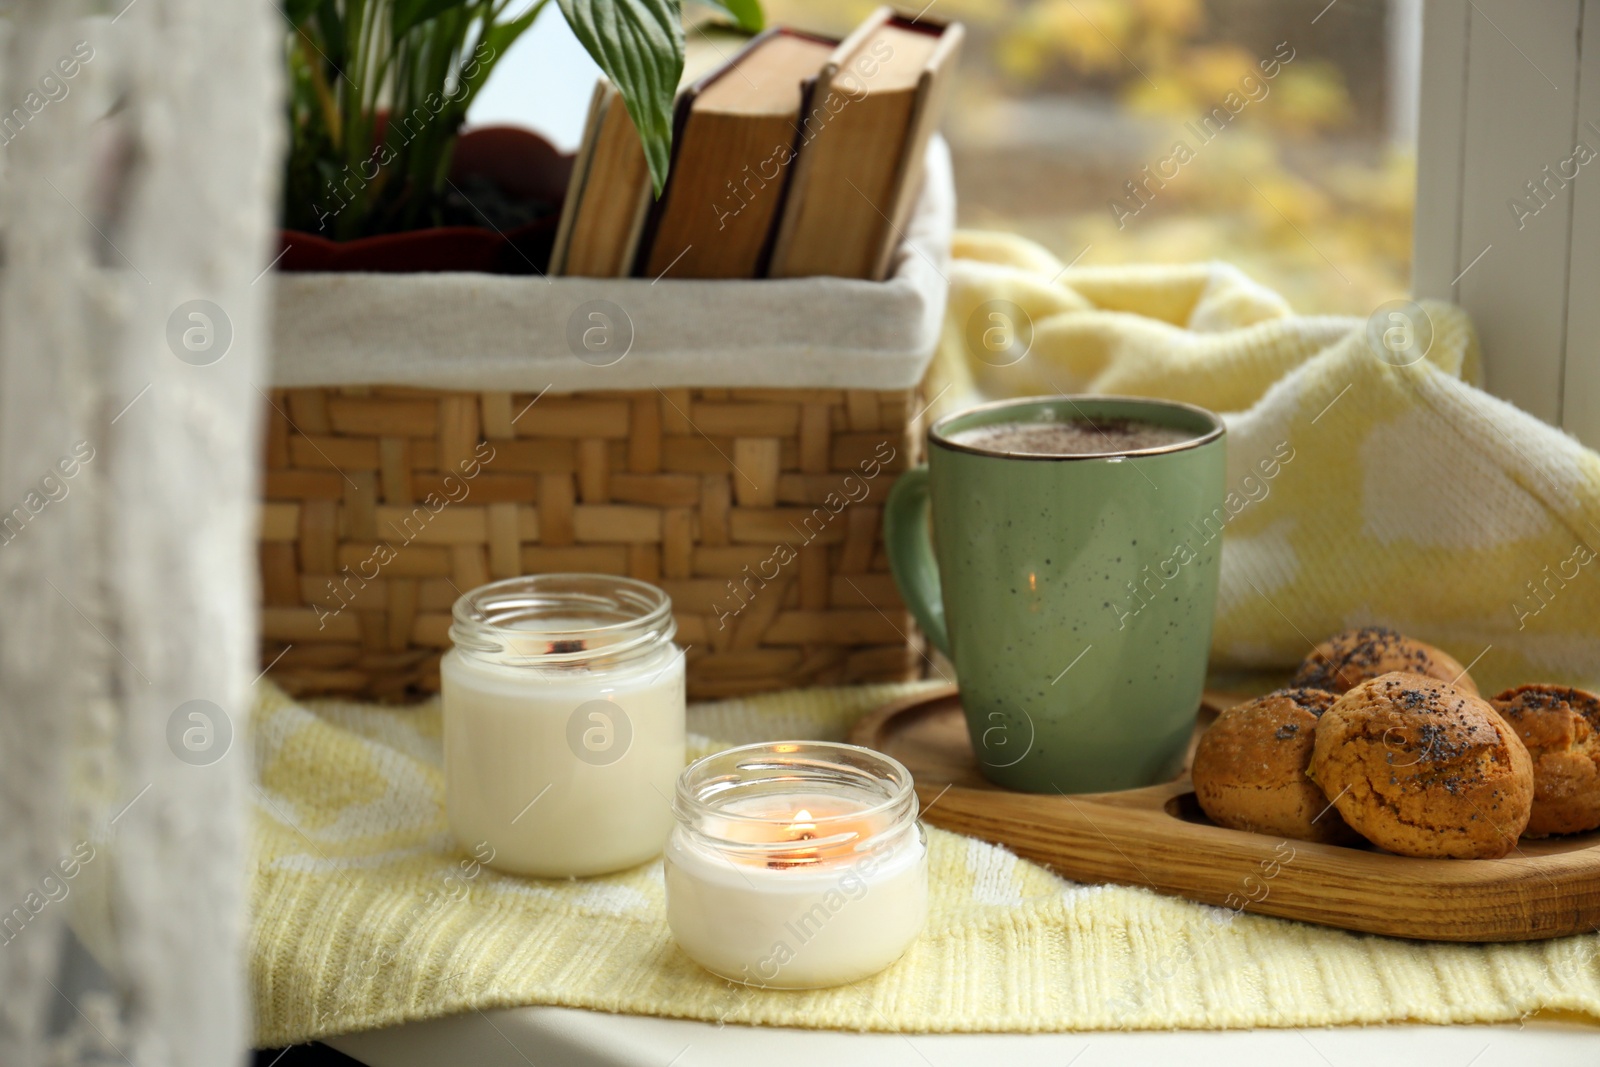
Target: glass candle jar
[[796, 865], [563, 722]]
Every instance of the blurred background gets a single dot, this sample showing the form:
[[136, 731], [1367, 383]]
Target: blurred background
[[1308, 187]]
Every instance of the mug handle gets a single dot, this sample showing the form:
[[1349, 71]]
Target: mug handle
[[911, 559]]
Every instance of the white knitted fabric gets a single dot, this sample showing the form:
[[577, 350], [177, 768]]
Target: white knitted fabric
[[139, 152], [484, 331]]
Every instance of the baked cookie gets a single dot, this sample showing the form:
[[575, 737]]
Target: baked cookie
[[1422, 768], [1250, 769], [1561, 728], [1347, 659]]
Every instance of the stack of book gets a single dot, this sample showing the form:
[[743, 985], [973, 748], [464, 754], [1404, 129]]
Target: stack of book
[[793, 155]]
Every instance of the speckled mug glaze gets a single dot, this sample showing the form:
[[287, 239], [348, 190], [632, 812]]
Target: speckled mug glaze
[[1073, 593]]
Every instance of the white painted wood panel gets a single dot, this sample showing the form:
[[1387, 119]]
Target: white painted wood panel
[[1580, 408], [1504, 97], [1437, 227], [1521, 93], [1403, 37]]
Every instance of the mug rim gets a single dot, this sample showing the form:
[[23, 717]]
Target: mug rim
[[936, 432]]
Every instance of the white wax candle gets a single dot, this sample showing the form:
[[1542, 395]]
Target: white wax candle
[[564, 770], [817, 912]]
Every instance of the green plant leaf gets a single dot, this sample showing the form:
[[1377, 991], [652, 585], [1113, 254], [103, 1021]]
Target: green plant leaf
[[327, 36], [746, 14], [295, 12], [409, 13], [639, 45]]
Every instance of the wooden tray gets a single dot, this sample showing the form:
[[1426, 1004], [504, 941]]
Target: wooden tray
[[1158, 838]]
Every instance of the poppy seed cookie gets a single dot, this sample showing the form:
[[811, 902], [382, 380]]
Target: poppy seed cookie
[[1561, 728], [1347, 659], [1250, 769], [1422, 768]]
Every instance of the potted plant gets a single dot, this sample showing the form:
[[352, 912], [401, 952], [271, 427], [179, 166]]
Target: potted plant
[[379, 91]]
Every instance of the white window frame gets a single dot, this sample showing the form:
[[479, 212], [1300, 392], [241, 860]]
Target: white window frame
[[1509, 88]]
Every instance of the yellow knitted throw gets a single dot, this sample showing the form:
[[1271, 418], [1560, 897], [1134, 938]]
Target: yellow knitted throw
[[1411, 499], [366, 914]]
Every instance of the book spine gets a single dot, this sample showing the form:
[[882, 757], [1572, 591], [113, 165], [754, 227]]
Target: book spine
[[680, 119], [932, 87]]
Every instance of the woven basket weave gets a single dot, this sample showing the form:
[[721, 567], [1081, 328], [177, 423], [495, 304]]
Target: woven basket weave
[[757, 510]]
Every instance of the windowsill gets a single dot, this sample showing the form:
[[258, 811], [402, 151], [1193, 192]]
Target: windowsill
[[568, 1036]]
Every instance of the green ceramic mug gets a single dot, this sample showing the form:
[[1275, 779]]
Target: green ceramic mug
[[1073, 593]]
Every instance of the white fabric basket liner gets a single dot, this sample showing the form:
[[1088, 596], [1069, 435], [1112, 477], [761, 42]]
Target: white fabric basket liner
[[493, 332]]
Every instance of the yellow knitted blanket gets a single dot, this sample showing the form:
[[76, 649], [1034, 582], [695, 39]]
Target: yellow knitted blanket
[[1399, 494], [367, 914]]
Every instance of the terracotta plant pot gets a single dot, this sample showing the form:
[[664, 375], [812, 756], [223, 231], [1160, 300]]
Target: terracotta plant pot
[[523, 165]]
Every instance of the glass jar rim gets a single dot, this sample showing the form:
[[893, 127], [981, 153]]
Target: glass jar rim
[[479, 617], [691, 806]]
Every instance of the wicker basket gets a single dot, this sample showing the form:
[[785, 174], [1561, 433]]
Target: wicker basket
[[431, 432], [757, 510]]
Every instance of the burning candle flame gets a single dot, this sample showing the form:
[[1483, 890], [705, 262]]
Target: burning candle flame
[[802, 827]]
